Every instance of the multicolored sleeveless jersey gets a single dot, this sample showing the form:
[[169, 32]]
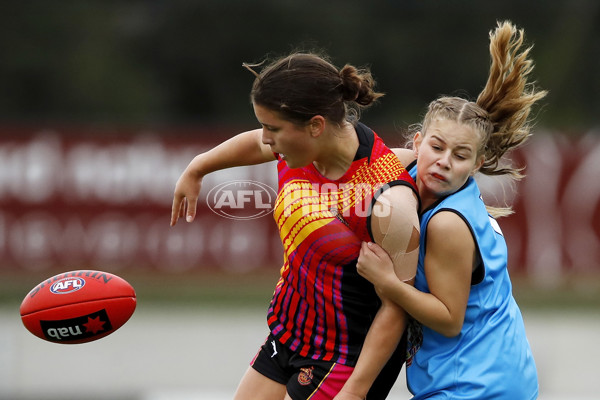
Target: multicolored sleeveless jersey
[[322, 308]]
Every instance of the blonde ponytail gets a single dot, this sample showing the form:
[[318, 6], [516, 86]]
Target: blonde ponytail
[[507, 97]]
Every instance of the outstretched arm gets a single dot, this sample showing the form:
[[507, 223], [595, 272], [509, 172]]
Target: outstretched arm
[[244, 149], [395, 225]]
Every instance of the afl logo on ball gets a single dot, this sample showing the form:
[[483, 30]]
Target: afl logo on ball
[[67, 285]]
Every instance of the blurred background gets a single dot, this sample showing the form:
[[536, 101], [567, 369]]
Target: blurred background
[[104, 103]]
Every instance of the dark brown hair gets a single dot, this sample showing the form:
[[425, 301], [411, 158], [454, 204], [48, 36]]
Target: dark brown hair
[[303, 85]]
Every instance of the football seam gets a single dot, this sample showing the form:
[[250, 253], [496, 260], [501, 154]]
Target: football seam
[[79, 302]]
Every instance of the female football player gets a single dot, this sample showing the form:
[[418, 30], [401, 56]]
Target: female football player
[[467, 340], [339, 185]]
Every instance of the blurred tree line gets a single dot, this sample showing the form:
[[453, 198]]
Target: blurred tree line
[[179, 62]]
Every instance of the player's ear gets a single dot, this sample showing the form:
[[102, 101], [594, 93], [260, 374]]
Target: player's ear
[[478, 164], [417, 140], [316, 125]]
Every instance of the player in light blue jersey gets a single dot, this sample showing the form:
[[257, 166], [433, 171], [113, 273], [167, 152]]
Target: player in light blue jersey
[[467, 339]]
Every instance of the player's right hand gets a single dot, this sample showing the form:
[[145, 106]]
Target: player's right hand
[[185, 197]]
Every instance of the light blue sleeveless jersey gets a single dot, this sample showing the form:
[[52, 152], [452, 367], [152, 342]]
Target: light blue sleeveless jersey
[[491, 357]]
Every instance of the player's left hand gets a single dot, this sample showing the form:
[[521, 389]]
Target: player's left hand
[[374, 264]]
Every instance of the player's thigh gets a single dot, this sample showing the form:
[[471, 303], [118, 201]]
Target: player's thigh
[[257, 386]]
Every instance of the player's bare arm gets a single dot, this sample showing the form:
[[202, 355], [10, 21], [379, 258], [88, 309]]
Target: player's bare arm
[[244, 149], [406, 156], [395, 225], [448, 266]]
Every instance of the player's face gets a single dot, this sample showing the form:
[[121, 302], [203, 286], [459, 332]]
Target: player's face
[[292, 142], [446, 157]]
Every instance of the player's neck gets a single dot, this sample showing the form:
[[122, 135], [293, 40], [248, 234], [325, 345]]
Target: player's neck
[[338, 153]]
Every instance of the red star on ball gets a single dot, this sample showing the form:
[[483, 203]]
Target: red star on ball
[[94, 325]]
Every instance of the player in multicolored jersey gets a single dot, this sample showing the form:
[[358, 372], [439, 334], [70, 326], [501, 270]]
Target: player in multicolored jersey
[[339, 185], [467, 340], [321, 306]]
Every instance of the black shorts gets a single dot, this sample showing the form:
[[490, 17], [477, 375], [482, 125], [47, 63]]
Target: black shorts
[[306, 378]]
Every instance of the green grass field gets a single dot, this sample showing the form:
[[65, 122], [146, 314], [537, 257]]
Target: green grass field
[[254, 289]]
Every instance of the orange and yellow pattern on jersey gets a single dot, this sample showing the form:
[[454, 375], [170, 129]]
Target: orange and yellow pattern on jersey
[[321, 307]]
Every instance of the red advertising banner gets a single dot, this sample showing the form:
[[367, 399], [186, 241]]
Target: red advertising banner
[[556, 225], [104, 200]]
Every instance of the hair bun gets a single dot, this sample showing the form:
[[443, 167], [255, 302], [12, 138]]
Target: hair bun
[[351, 83]]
